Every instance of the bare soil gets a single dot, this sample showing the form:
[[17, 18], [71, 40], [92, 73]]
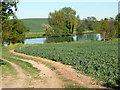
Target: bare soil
[[52, 80], [18, 82]]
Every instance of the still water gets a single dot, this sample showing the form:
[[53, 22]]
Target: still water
[[82, 37]]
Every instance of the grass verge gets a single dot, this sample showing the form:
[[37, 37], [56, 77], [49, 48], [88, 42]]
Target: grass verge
[[7, 69]]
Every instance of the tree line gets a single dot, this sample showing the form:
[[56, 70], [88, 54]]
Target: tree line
[[65, 22]]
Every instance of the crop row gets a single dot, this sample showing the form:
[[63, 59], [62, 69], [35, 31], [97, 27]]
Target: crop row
[[99, 59]]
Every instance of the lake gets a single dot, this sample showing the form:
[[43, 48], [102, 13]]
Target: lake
[[82, 37]]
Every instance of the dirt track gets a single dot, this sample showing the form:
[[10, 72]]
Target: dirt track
[[52, 80], [19, 82]]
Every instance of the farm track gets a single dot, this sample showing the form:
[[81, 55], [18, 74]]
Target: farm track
[[64, 71], [49, 78], [19, 82], [51, 81]]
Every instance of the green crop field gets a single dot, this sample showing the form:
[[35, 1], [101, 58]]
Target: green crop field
[[97, 59], [35, 24]]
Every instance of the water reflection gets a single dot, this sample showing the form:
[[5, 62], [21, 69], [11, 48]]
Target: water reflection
[[84, 37], [81, 37], [59, 39]]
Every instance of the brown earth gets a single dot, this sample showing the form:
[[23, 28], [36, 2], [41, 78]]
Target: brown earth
[[52, 80], [49, 79], [19, 81]]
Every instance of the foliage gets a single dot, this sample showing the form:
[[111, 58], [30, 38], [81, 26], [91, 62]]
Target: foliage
[[34, 34], [117, 25], [112, 30], [98, 59], [7, 9], [81, 27], [48, 29], [63, 21], [107, 28], [90, 23], [13, 31], [87, 24]]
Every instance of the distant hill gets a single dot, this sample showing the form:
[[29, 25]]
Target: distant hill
[[35, 24]]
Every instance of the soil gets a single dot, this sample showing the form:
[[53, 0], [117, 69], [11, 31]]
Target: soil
[[52, 78]]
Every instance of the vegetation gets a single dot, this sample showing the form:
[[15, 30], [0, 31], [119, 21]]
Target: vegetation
[[12, 30], [63, 22], [7, 68], [7, 8], [117, 25], [107, 28], [70, 83], [100, 62], [27, 67], [48, 29], [35, 25], [34, 34], [97, 59], [87, 24]]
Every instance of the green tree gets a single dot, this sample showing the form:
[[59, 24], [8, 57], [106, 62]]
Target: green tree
[[7, 9], [107, 28], [57, 21], [117, 25], [112, 29], [80, 26], [70, 18], [13, 31], [90, 23], [63, 22], [104, 27]]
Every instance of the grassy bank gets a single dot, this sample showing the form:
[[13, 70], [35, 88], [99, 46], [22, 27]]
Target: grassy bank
[[7, 69], [34, 34]]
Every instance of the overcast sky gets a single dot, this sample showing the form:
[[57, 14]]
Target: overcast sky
[[40, 9]]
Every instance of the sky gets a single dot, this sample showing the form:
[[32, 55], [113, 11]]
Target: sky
[[41, 8]]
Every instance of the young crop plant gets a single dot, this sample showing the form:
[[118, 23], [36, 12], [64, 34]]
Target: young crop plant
[[97, 59]]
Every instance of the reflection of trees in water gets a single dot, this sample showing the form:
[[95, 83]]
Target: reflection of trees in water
[[82, 37], [79, 37], [59, 39]]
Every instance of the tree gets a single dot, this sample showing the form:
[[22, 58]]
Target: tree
[[48, 29], [111, 30], [80, 26], [117, 25], [104, 27], [57, 22], [87, 24], [63, 22], [13, 31], [7, 9], [71, 20], [107, 28], [90, 23]]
